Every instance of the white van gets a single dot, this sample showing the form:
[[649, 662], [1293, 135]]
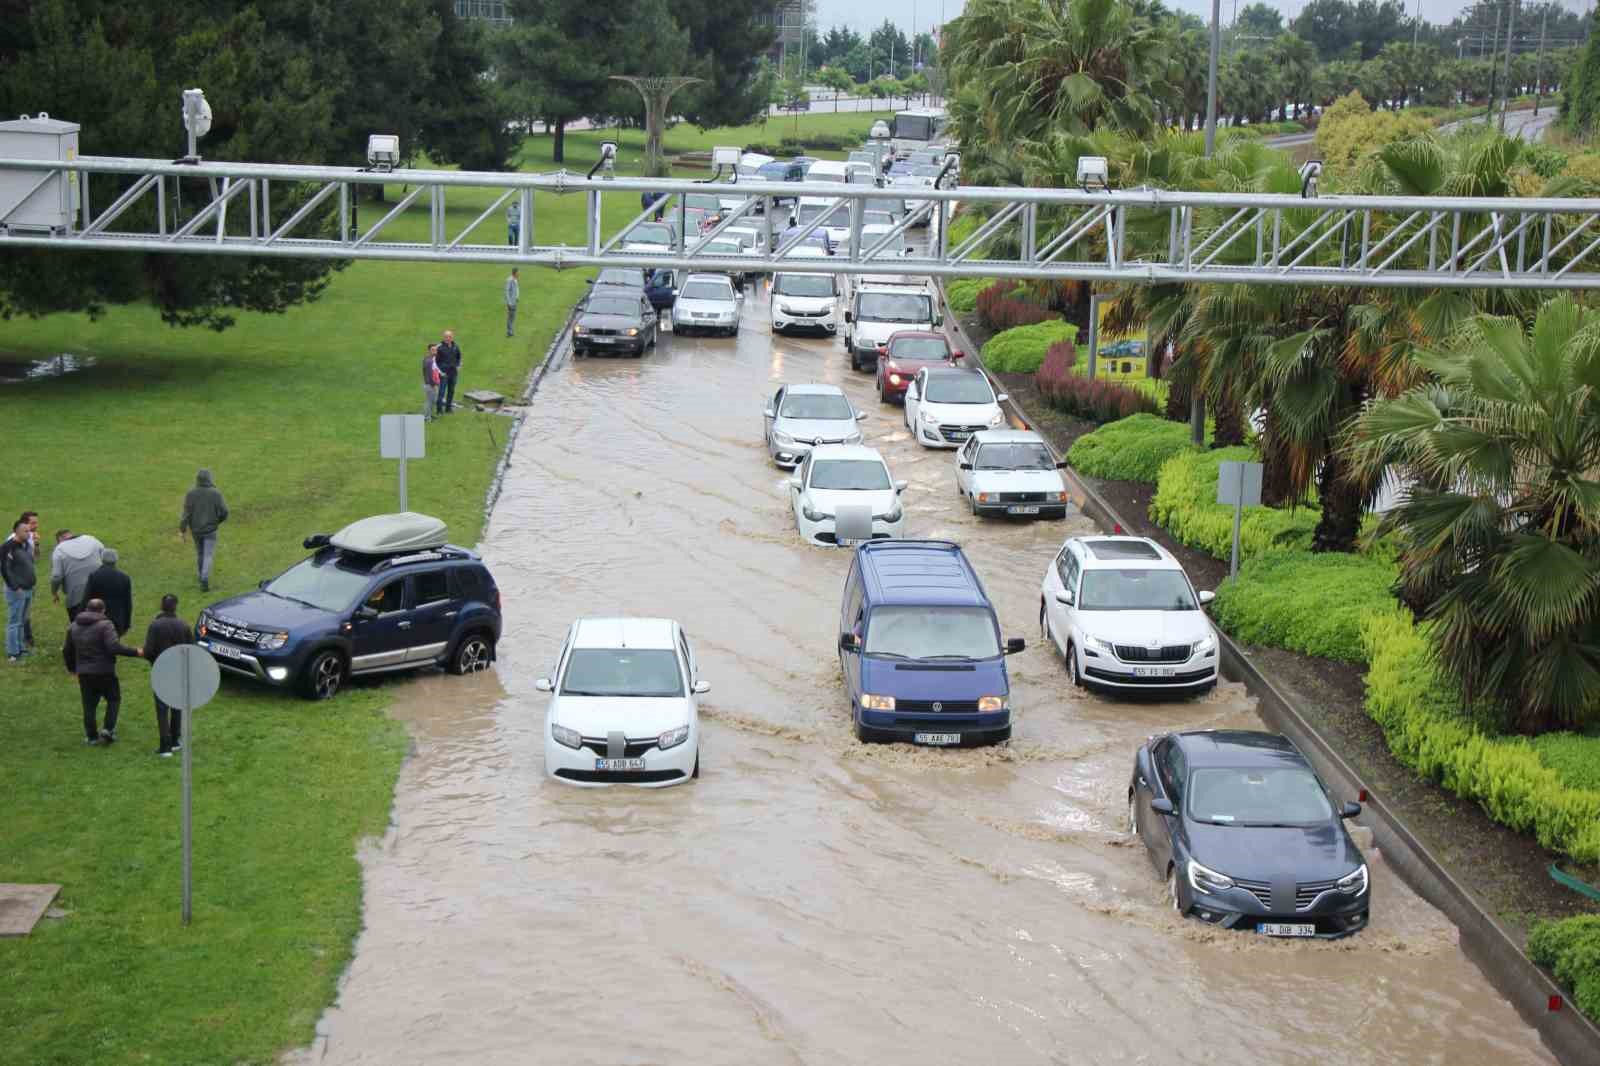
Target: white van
[[805, 301], [878, 309], [827, 170]]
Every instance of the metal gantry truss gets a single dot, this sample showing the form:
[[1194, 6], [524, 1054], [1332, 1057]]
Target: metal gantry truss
[[1152, 236]]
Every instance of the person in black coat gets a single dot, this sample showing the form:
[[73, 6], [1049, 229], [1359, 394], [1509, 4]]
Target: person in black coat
[[113, 587], [167, 630]]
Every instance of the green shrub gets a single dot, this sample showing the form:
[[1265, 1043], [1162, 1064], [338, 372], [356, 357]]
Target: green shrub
[[962, 293], [1426, 730], [1186, 505], [962, 226], [1575, 756], [1132, 449], [1021, 350], [1309, 602], [1570, 949]]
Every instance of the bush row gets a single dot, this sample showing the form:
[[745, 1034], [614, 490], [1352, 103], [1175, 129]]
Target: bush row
[[1020, 350], [832, 142], [1185, 504], [1309, 602], [1096, 401], [963, 293], [1575, 756], [963, 226], [1000, 308], [1570, 949], [1132, 449], [1425, 729]]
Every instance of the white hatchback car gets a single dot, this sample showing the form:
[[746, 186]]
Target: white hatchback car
[[624, 708], [845, 475], [1010, 472], [706, 302], [946, 406], [1126, 617]]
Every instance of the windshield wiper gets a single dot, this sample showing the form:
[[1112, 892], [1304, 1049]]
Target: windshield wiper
[[295, 599], [931, 658], [891, 655]]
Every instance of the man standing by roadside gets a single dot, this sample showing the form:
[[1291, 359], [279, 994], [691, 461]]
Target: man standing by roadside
[[77, 555], [113, 588], [513, 294], [90, 652], [204, 510], [167, 630], [430, 382], [449, 366], [17, 573]]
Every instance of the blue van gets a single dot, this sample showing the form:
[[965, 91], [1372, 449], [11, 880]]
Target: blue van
[[920, 647]]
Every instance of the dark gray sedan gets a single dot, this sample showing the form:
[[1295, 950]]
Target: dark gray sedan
[[1246, 834], [614, 319]]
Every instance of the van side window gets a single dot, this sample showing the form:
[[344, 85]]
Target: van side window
[[853, 595]]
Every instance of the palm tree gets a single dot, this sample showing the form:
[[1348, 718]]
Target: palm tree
[[1501, 526]]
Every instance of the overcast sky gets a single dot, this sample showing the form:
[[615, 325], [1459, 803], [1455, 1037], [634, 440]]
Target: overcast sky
[[864, 16]]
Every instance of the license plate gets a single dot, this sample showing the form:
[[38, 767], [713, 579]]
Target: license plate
[[1285, 929], [957, 434], [1030, 509], [1153, 671], [619, 764], [225, 651], [604, 340], [937, 738], [697, 314]]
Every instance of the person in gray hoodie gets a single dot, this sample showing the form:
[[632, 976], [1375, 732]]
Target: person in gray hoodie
[[77, 555], [90, 653], [204, 510]]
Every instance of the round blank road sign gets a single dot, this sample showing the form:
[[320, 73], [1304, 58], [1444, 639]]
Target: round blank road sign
[[185, 676]]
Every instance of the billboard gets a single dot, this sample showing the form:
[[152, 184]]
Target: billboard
[[1122, 356]]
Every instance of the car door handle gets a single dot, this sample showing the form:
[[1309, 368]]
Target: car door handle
[[451, 614], [404, 625]]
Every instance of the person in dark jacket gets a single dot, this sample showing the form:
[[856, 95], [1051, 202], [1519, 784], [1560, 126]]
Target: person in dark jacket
[[90, 652], [113, 588], [449, 362], [167, 630], [18, 575], [204, 510]]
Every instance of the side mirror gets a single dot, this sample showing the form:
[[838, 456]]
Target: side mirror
[[849, 317], [1162, 806], [1065, 596], [701, 688], [964, 466], [1206, 597], [861, 416], [901, 486], [1350, 810], [588, 281], [366, 614], [938, 320], [769, 413], [1015, 644], [1002, 398], [794, 483], [1061, 464], [849, 642], [262, 584], [544, 684], [957, 355]]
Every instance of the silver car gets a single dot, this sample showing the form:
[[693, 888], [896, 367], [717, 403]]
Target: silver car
[[803, 416], [706, 302]]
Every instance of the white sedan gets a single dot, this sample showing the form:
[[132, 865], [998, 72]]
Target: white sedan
[[624, 709], [946, 406], [706, 302], [845, 476], [1010, 472]]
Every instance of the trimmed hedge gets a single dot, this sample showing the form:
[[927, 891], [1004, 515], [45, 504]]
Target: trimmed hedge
[[1021, 350], [1427, 731], [962, 226], [962, 293], [1575, 756], [1131, 449], [1570, 949], [1309, 602], [1186, 505]]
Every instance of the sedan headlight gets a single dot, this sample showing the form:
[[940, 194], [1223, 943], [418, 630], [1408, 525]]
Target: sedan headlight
[[990, 704], [580, 329], [569, 738], [1355, 882], [272, 641], [877, 703], [814, 515], [999, 419], [929, 419], [632, 332], [1206, 646], [894, 514], [779, 437], [1202, 879], [673, 737], [854, 438], [1096, 642]]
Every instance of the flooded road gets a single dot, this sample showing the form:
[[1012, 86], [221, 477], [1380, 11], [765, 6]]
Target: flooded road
[[810, 899]]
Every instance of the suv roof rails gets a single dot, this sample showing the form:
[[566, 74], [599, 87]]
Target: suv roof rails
[[447, 551]]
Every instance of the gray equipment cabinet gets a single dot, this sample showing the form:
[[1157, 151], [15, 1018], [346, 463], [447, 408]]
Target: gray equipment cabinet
[[35, 201]]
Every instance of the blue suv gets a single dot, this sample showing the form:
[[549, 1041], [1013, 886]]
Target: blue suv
[[382, 595], [920, 647]]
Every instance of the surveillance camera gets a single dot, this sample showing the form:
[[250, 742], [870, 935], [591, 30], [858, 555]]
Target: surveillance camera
[[383, 151], [1093, 172]]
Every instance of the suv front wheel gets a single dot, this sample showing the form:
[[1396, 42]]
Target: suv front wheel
[[323, 677]]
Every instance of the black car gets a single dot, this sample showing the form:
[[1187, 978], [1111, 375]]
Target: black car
[[1247, 836], [381, 595], [615, 320]]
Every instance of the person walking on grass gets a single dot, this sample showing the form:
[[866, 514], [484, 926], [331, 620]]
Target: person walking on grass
[[77, 555], [513, 294], [113, 588], [18, 574], [430, 382], [167, 630], [32, 518], [90, 653], [204, 511], [449, 358], [513, 222]]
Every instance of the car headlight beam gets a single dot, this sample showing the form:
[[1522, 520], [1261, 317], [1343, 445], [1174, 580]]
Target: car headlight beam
[[272, 641], [568, 738], [673, 737], [1206, 880], [991, 704], [1353, 883], [872, 702]]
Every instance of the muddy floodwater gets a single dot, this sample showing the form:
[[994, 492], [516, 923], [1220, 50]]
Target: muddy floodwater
[[811, 899]]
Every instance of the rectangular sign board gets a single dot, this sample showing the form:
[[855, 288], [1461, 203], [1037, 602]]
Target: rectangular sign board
[[1233, 491], [400, 436]]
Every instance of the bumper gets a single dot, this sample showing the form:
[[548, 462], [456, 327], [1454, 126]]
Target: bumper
[[1333, 917], [594, 346], [930, 437], [1003, 510], [828, 323], [661, 768], [682, 325], [822, 532], [267, 669], [974, 729], [789, 456], [1104, 671]]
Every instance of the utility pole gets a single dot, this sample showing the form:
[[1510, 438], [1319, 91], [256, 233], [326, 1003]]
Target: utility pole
[[1211, 79], [1538, 69], [1505, 88], [1494, 50], [1416, 30]]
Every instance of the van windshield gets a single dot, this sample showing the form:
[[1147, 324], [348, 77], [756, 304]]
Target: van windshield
[[803, 285], [892, 307], [932, 633]]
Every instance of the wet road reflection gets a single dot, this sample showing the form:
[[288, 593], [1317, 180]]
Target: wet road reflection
[[812, 900]]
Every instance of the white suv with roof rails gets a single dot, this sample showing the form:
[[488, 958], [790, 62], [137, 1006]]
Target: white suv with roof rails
[[1126, 617]]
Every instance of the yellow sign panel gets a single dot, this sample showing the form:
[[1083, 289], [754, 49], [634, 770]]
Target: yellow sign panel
[[1122, 356]]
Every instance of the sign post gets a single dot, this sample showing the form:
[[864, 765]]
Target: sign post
[[400, 437], [185, 677], [1238, 484]]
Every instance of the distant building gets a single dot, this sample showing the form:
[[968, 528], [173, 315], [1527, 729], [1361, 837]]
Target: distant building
[[494, 11], [788, 19]]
